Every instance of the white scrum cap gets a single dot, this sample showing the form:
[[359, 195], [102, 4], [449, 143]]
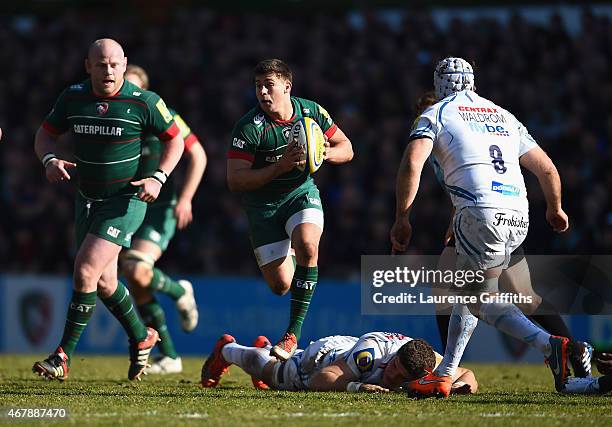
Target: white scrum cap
[[453, 75]]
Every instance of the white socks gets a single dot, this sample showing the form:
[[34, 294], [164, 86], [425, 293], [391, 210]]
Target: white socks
[[251, 359], [462, 324], [510, 320]]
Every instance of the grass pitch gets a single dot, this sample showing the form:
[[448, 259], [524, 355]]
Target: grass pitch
[[98, 393]]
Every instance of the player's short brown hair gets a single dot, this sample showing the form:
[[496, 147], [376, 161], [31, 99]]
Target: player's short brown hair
[[274, 66], [417, 357], [140, 72], [425, 101]]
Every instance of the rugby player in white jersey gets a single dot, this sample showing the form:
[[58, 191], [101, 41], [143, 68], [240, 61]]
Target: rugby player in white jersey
[[377, 362], [480, 147], [515, 279]]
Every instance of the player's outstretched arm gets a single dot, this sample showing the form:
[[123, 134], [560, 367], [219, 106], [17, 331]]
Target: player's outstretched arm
[[44, 146], [195, 169], [338, 148], [406, 188], [538, 163], [334, 377], [339, 377], [242, 177]]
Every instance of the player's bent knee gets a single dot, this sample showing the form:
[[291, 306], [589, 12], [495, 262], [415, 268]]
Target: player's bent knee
[[306, 250], [85, 276], [530, 308], [279, 287], [137, 267]]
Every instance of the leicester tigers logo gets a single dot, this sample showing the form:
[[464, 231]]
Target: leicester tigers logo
[[286, 133], [101, 108], [36, 314]]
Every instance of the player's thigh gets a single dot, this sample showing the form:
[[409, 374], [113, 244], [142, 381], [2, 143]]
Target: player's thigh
[[287, 375], [481, 248], [480, 245], [94, 256], [488, 236], [304, 223], [115, 219], [157, 229]]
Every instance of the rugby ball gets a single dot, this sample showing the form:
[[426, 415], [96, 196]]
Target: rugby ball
[[309, 135]]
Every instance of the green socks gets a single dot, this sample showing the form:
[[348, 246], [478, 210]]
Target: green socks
[[120, 304], [302, 288], [153, 315], [80, 310], [161, 282]]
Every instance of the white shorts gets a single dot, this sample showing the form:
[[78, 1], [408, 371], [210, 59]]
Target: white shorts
[[295, 373], [486, 237], [272, 251]]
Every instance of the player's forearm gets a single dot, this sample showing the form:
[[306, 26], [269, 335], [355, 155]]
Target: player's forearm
[[538, 163], [327, 381], [171, 154], [550, 182], [341, 152], [195, 170], [247, 179], [406, 186], [44, 143], [409, 174]]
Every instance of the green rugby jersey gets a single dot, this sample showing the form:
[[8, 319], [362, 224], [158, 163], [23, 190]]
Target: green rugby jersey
[[109, 132], [262, 141], [151, 153]]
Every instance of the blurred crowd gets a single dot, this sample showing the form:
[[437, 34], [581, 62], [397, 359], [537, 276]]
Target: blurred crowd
[[365, 72]]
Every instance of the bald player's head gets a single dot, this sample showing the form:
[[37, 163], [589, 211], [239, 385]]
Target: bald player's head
[[106, 65]]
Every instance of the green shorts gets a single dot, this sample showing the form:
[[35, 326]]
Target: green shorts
[[159, 225], [115, 219], [271, 224]]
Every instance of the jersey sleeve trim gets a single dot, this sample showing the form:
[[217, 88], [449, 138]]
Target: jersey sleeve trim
[[50, 129], [235, 154], [169, 133], [419, 136], [190, 140], [331, 131]]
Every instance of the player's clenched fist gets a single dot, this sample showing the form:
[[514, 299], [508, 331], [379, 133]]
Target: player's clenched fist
[[294, 156], [400, 235], [557, 219]]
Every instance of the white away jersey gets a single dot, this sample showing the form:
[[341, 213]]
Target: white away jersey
[[370, 355], [477, 145]]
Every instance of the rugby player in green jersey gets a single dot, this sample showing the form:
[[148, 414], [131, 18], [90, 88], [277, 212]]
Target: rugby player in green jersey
[[282, 202], [108, 118], [163, 217]]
